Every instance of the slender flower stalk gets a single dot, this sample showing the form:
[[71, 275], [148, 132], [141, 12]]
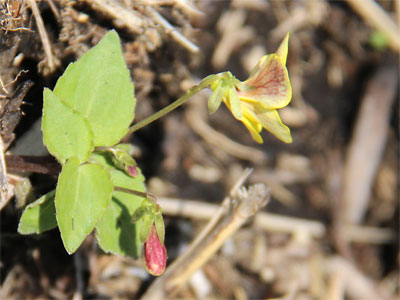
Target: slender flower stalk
[[178, 102]]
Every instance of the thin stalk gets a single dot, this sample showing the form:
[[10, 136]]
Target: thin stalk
[[136, 193], [191, 92]]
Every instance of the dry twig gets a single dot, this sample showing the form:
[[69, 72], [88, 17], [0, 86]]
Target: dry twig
[[3, 175], [122, 16], [176, 35], [267, 221], [356, 284], [368, 143], [378, 18], [52, 63], [270, 222]]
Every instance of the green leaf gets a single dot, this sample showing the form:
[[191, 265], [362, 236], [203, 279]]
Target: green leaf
[[65, 132], [99, 87], [39, 216], [82, 196], [115, 233]]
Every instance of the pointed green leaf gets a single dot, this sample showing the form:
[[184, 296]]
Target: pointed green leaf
[[65, 132], [82, 196], [99, 86], [115, 232], [39, 216]]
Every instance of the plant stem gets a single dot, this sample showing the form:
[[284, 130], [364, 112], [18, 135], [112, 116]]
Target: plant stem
[[37, 164], [191, 92], [136, 193]]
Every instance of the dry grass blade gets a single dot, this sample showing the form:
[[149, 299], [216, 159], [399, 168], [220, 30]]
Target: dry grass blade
[[374, 15], [3, 176], [51, 60], [121, 16], [176, 35]]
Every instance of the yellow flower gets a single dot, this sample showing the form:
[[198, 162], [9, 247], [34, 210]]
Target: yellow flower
[[255, 101]]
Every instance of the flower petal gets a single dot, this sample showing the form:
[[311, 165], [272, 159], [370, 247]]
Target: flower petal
[[258, 65], [251, 122], [234, 102], [270, 85], [283, 49], [253, 129], [270, 120]]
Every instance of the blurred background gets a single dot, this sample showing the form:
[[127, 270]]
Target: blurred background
[[330, 230]]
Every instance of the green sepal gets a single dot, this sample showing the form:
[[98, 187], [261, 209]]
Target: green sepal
[[160, 228], [140, 213], [147, 223], [124, 157], [215, 99]]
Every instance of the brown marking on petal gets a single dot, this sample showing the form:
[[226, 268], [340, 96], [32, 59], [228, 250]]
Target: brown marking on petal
[[270, 80]]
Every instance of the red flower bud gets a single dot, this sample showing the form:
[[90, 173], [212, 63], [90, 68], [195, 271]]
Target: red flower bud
[[132, 171], [155, 254]]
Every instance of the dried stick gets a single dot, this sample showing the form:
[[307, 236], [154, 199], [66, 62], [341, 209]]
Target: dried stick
[[188, 8], [368, 143], [3, 174], [356, 284], [234, 215], [54, 9], [176, 35], [199, 210], [43, 34], [336, 285], [123, 17], [373, 14], [270, 222], [366, 234]]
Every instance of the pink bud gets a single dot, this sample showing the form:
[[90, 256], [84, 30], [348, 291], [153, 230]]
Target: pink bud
[[155, 254], [132, 171]]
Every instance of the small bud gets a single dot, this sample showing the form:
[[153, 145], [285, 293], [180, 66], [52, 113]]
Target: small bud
[[155, 254], [132, 171]]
